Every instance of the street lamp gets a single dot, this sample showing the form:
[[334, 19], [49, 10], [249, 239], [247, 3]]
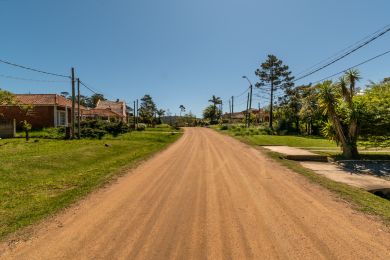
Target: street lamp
[[250, 98]]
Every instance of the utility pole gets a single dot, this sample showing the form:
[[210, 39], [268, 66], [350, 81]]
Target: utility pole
[[232, 105], [221, 107], [247, 112], [134, 114], [250, 96], [259, 113], [73, 103], [136, 119], [272, 100], [230, 110], [78, 109]]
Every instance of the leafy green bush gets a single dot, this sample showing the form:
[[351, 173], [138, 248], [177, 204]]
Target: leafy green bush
[[94, 133], [141, 127], [116, 128], [224, 127], [99, 128]]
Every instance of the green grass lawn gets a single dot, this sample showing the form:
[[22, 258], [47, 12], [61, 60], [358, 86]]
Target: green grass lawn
[[39, 178], [295, 141], [289, 140]]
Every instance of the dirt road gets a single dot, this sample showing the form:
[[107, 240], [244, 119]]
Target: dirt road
[[208, 196]]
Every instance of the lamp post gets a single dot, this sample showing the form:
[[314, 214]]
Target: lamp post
[[250, 98]]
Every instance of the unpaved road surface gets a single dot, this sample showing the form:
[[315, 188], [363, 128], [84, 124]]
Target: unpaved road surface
[[208, 196]]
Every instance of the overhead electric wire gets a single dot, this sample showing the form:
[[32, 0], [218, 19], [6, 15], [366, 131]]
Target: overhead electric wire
[[90, 89], [33, 80], [357, 65], [345, 54], [32, 69], [343, 50], [245, 91]]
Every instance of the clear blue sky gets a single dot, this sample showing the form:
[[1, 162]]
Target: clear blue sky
[[179, 51]]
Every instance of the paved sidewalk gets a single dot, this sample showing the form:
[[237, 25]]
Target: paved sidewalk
[[319, 164], [297, 154], [337, 173]]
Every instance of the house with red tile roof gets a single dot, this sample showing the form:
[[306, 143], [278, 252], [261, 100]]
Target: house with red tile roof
[[47, 110], [99, 113], [118, 106]]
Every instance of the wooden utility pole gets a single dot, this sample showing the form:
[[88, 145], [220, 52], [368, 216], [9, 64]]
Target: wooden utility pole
[[250, 102], [247, 112], [136, 119], [221, 108], [272, 100], [230, 110], [73, 103], [232, 105], [78, 110], [134, 114]]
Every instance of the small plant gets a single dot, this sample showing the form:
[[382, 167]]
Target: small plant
[[26, 126]]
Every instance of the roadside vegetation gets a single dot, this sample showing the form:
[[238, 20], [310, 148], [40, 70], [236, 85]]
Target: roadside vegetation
[[42, 171], [42, 176], [350, 116], [260, 136], [359, 199]]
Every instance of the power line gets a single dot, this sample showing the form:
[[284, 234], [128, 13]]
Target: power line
[[32, 69], [242, 93], [33, 80], [343, 50], [357, 65], [90, 89], [345, 54]]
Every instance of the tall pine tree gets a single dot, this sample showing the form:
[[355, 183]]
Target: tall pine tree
[[272, 73]]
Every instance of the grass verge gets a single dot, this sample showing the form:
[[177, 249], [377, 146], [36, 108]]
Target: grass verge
[[39, 178], [359, 199]]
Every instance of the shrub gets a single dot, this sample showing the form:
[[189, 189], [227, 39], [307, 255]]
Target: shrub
[[116, 128], [141, 127], [99, 128], [88, 132], [224, 127]]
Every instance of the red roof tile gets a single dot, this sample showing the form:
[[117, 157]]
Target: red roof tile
[[100, 112], [43, 99]]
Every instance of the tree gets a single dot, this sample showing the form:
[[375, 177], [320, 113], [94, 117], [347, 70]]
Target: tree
[[272, 72], [310, 112], [65, 94], [94, 99], [160, 113], [216, 112], [147, 109], [6, 97], [84, 101], [26, 126], [343, 111], [375, 124], [182, 109], [210, 113]]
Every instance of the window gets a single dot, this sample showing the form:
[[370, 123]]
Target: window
[[61, 117]]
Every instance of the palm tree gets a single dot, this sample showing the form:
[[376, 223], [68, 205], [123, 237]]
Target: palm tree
[[352, 76], [330, 95], [182, 109], [215, 101]]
